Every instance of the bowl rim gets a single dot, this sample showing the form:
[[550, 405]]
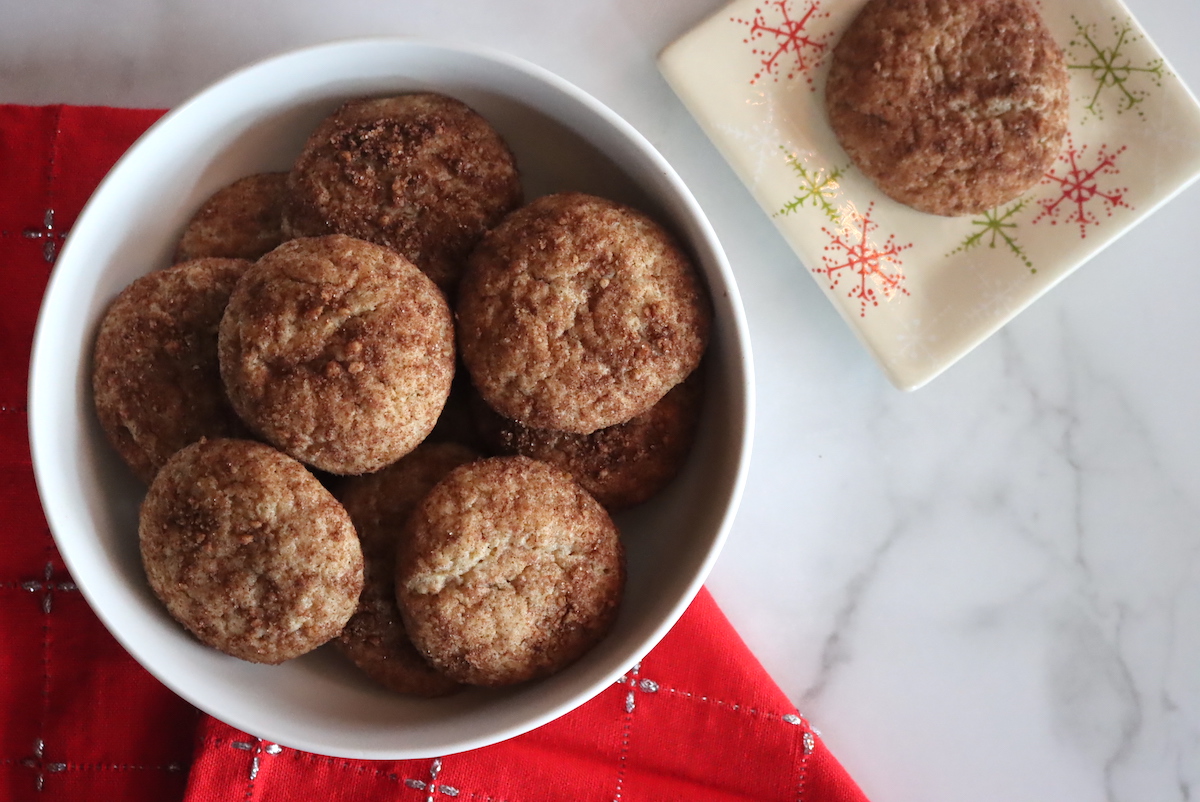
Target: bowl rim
[[42, 379]]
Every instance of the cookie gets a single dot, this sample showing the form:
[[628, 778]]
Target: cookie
[[621, 465], [156, 384], [379, 505], [337, 351], [578, 313], [509, 571], [420, 173], [952, 108], [248, 551], [242, 220]]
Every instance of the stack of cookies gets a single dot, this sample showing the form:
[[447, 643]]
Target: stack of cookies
[[379, 401]]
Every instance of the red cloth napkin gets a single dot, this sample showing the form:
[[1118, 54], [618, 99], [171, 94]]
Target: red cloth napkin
[[698, 719]]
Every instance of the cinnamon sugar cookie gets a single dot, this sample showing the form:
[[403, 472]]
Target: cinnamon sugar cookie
[[338, 351], [621, 465], [421, 173], [950, 107], [577, 313], [241, 220], [248, 551], [156, 383], [509, 571], [380, 504]]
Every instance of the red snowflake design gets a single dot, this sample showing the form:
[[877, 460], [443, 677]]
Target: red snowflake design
[[1078, 187], [781, 36], [851, 251]]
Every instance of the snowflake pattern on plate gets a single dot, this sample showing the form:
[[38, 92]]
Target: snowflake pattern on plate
[[852, 251], [748, 74], [997, 226], [1111, 67], [759, 139], [1079, 190], [816, 187], [775, 35]]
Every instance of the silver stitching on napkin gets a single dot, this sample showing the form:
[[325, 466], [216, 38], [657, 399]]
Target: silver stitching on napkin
[[643, 685], [35, 762], [257, 749], [33, 586], [47, 233], [809, 738], [432, 786]]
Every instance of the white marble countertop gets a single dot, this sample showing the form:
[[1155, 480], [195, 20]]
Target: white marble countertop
[[986, 590]]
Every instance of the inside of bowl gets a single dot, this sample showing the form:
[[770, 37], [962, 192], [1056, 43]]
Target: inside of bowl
[[256, 121]]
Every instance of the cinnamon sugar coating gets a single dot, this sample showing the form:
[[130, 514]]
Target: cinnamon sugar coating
[[248, 551], [953, 108], [338, 351], [577, 313], [380, 504], [620, 465], [509, 571], [242, 220], [156, 383], [421, 173]]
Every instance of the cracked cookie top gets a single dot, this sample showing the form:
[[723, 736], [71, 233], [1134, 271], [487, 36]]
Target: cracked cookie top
[[578, 313], [952, 108], [421, 173], [338, 351], [509, 571], [249, 551]]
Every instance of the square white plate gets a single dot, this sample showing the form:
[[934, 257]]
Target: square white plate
[[920, 290]]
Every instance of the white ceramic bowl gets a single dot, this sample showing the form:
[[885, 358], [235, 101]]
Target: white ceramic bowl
[[256, 120]]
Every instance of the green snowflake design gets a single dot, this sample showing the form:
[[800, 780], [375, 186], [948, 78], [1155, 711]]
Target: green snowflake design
[[997, 226], [1111, 67], [817, 188]]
